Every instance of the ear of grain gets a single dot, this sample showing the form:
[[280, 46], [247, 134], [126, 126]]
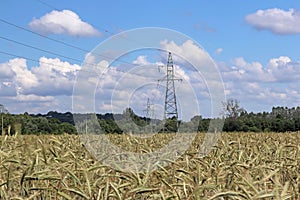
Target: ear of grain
[[77, 192], [64, 195], [241, 166]]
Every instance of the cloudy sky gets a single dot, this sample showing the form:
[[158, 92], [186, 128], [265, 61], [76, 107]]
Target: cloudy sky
[[44, 45]]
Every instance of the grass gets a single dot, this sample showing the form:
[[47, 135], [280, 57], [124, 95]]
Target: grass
[[241, 166]]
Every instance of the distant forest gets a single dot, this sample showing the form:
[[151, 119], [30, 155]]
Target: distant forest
[[280, 119]]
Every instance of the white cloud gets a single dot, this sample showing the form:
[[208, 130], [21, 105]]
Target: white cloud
[[23, 78], [219, 51], [261, 87], [284, 69], [187, 51], [282, 60], [34, 98], [63, 22], [141, 60], [276, 20], [7, 84], [253, 71], [281, 69], [5, 71], [54, 77], [37, 88]]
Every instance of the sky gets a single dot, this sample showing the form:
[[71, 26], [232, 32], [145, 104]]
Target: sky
[[46, 45]]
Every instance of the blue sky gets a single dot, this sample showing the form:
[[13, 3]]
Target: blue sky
[[254, 43]]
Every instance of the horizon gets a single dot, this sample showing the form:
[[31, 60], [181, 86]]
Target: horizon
[[64, 112]]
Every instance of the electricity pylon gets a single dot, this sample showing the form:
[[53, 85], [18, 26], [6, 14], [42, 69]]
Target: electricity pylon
[[148, 109], [170, 110], [149, 114]]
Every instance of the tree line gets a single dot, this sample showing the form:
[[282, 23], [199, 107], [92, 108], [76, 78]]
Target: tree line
[[37, 124], [280, 119]]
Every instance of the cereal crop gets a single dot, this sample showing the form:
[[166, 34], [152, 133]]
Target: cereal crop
[[240, 166]]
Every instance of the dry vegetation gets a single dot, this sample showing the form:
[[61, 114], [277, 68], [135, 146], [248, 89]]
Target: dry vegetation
[[241, 166]]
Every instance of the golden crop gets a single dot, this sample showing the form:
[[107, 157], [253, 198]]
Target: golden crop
[[241, 166]]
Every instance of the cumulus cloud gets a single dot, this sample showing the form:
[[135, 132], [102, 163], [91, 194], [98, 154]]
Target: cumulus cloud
[[187, 51], [51, 77], [63, 22], [284, 69], [276, 20], [252, 71], [5, 71], [260, 87], [276, 62], [7, 86], [23, 76], [281, 69], [26, 88], [54, 76], [141, 60]]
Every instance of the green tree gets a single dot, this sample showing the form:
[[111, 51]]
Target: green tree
[[171, 125], [67, 128]]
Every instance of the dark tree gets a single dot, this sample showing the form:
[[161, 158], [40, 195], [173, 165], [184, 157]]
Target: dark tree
[[232, 108]]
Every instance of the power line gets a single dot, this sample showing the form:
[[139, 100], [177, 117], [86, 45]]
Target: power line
[[39, 49], [38, 61], [38, 34], [31, 59], [105, 30], [55, 8], [51, 52], [64, 43]]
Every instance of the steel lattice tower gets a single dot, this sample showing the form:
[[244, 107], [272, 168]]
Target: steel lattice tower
[[148, 109], [170, 110], [149, 115]]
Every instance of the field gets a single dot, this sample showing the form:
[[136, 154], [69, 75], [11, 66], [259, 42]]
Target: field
[[241, 166]]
